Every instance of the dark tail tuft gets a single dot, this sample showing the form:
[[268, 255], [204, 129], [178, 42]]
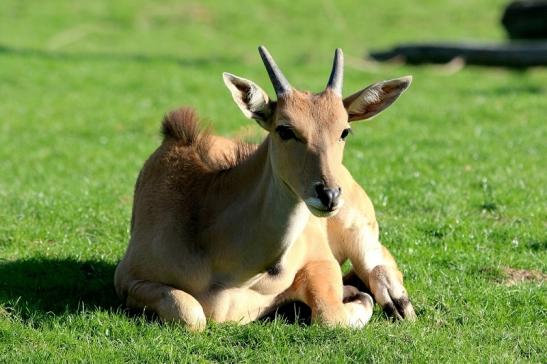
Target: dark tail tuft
[[181, 125]]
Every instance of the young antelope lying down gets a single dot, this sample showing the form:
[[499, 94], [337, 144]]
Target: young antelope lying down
[[228, 231]]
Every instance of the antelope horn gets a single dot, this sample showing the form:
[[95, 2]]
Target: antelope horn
[[336, 78], [279, 82]]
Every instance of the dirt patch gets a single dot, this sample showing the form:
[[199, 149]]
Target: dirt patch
[[517, 276]]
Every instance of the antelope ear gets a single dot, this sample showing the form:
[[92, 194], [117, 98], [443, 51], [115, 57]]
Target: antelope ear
[[375, 98], [251, 99]]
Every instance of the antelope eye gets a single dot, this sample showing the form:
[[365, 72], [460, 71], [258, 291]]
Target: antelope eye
[[285, 133], [345, 133]]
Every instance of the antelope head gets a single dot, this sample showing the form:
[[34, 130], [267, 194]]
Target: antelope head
[[307, 131]]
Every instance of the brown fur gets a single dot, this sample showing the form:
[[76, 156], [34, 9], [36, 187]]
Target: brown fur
[[182, 126]]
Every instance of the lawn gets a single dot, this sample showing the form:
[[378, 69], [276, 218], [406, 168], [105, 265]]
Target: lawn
[[456, 170]]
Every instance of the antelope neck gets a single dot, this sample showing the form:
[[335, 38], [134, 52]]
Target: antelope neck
[[256, 207]]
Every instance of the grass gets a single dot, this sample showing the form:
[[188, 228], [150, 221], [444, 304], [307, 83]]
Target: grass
[[456, 169]]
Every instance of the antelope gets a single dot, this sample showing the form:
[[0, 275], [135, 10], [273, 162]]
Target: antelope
[[227, 231]]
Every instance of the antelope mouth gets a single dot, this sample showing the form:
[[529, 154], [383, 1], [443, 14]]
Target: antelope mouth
[[317, 208]]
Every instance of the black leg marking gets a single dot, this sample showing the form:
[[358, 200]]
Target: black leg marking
[[274, 270], [401, 304], [391, 311]]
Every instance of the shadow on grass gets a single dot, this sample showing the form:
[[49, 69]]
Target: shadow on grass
[[292, 312], [109, 56], [41, 285], [57, 285]]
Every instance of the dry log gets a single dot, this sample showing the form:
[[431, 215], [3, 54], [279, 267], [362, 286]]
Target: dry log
[[518, 55]]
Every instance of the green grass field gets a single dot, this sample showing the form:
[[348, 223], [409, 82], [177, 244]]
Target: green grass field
[[456, 170]]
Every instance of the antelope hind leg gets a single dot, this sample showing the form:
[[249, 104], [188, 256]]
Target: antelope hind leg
[[319, 285], [239, 305], [171, 304]]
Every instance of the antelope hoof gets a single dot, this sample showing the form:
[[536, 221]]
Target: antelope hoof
[[400, 309], [390, 293], [359, 306]]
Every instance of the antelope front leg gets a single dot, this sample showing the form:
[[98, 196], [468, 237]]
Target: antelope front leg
[[386, 283], [373, 265], [353, 233]]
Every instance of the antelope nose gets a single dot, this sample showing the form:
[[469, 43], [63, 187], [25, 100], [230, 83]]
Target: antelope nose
[[328, 196]]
